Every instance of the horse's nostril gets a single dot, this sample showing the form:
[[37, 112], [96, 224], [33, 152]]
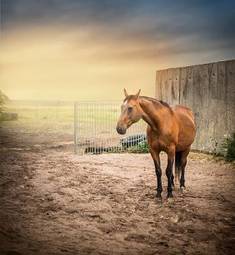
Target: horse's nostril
[[118, 129], [121, 130]]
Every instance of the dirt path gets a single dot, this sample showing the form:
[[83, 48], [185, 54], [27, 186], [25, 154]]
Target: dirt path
[[53, 202]]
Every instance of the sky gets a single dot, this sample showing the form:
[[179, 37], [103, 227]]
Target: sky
[[91, 50]]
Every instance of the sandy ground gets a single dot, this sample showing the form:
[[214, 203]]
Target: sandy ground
[[55, 202]]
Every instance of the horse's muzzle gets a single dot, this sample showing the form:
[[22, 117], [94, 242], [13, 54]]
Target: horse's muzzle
[[121, 130]]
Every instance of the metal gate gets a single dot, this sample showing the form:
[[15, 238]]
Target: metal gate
[[95, 129]]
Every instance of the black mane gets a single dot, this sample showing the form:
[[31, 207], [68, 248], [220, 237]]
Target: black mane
[[164, 103], [158, 101]]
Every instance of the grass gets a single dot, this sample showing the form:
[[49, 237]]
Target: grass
[[96, 122], [40, 118], [140, 148], [229, 147], [56, 117]]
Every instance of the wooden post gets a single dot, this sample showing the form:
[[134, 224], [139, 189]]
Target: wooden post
[[75, 127]]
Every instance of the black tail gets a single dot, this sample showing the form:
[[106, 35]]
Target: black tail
[[178, 156]]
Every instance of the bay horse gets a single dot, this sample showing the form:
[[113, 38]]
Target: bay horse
[[169, 129]]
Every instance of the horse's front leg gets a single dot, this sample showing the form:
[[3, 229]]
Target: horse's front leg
[[169, 171], [158, 171]]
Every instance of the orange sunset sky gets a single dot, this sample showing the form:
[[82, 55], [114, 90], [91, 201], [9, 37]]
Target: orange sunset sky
[[86, 50]]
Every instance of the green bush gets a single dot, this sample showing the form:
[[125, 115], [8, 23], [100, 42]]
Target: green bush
[[3, 100], [140, 148], [229, 147]]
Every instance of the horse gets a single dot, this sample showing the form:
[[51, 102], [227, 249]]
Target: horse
[[169, 129]]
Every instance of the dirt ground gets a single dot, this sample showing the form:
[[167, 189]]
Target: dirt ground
[[55, 202]]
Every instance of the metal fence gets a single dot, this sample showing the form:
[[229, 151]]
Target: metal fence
[[95, 129]]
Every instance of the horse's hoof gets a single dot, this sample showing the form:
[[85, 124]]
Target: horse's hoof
[[170, 199], [182, 189], [159, 196], [169, 195]]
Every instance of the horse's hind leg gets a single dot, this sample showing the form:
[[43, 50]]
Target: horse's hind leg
[[183, 162], [172, 180], [177, 166], [170, 162]]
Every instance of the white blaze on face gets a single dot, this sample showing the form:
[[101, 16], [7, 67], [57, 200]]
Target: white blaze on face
[[125, 103]]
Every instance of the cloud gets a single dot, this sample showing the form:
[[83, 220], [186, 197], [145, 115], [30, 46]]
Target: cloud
[[108, 43], [148, 23]]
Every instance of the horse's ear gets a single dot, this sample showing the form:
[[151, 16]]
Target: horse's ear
[[137, 95], [125, 93]]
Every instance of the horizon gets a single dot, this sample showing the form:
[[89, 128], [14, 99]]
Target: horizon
[[100, 99]]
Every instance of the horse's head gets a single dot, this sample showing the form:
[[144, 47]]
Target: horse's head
[[130, 112]]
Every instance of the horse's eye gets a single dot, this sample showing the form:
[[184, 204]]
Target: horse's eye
[[129, 109]]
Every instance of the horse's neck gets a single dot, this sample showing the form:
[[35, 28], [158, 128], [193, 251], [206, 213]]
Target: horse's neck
[[152, 113]]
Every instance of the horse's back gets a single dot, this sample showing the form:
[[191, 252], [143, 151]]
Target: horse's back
[[185, 112], [187, 127]]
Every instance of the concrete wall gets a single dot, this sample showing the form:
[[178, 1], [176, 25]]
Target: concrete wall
[[209, 90]]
